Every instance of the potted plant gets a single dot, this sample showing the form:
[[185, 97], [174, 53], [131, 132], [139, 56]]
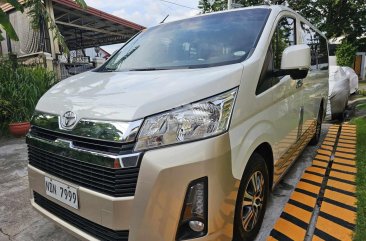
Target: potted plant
[[20, 89], [19, 124], [19, 129], [17, 117]]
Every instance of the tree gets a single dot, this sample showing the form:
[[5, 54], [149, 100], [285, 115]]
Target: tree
[[38, 14], [208, 6], [336, 18], [346, 54]]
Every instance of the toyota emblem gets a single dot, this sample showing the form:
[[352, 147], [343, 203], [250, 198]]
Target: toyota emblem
[[68, 120]]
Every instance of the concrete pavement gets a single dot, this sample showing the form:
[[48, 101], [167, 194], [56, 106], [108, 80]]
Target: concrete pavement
[[18, 221]]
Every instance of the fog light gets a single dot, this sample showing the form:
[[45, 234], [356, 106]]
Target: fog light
[[193, 221], [196, 226]]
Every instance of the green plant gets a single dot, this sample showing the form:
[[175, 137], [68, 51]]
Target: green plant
[[360, 234], [345, 54], [361, 92], [20, 90]]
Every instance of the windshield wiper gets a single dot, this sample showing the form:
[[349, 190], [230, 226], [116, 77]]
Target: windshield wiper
[[148, 69]]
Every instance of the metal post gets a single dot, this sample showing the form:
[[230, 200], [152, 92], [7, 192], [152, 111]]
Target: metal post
[[229, 3]]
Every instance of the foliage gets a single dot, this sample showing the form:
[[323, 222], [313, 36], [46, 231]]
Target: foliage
[[361, 92], [36, 9], [345, 54], [5, 23], [360, 122], [20, 90], [208, 6], [335, 18]]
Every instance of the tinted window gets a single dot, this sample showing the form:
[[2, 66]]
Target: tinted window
[[283, 37], [318, 47], [202, 41], [323, 57]]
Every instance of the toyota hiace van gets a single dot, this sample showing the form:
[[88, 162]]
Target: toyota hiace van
[[183, 132]]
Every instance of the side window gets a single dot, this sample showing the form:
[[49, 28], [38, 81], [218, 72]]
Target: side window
[[284, 36], [323, 54], [318, 47]]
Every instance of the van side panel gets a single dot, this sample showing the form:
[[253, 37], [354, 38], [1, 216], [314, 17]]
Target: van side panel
[[278, 114]]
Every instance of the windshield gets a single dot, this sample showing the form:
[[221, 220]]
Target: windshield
[[203, 41]]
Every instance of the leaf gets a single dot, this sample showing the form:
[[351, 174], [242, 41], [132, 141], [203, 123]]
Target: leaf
[[6, 25], [81, 3], [15, 4]]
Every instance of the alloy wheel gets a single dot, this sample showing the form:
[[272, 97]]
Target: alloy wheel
[[252, 201]]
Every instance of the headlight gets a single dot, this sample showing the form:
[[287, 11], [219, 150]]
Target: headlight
[[194, 121]]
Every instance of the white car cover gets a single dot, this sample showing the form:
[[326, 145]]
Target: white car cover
[[339, 90], [353, 79]]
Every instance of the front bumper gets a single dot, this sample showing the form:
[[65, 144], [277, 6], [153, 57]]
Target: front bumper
[[153, 213]]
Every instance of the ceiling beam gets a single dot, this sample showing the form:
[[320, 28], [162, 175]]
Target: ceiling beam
[[61, 16], [91, 29], [76, 19]]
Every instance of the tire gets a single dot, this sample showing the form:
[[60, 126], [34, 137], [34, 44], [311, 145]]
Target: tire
[[314, 141], [246, 223], [338, 117]]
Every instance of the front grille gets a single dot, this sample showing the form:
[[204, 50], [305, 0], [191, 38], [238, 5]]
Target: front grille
[[83, 142], [85, 225], [113, 182]]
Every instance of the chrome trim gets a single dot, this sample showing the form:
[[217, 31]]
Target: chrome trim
[[115, 131], [66, 148]]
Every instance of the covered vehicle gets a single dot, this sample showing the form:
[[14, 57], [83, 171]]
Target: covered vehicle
[[353, 79], [339, 89]]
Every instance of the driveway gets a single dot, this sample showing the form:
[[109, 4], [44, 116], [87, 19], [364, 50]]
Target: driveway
[[18, 221]]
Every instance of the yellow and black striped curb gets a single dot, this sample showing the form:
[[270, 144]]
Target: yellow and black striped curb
[[328, 186]]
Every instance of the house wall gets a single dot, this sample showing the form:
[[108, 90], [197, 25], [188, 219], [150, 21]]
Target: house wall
[[29, 39]]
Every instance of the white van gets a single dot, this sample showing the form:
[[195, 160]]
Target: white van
[[183, 133]]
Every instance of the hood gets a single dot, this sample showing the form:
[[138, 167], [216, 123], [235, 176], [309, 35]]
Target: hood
[[127, 96]]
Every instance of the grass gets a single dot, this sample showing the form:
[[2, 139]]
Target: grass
[[361, 92], [360, 122], [362, 88], [361, 106]]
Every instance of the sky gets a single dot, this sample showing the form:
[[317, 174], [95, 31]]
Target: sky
[[145, 12]]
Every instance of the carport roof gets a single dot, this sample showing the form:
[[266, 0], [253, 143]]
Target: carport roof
[[90, 27]]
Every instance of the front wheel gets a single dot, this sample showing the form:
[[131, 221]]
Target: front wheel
[[252, 198]]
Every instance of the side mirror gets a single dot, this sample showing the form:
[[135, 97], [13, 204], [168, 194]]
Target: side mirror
[[296, 61]]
